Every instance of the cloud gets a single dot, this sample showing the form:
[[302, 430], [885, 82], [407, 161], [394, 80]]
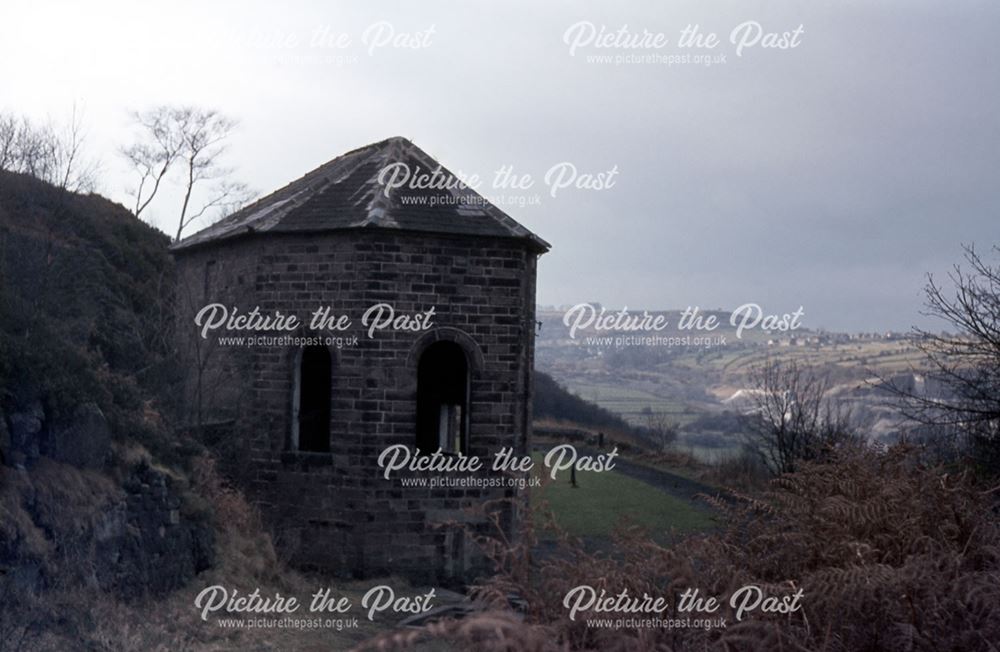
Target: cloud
[[832, 175]]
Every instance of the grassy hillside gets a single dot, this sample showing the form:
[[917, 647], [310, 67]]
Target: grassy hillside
[[83, 296], [553, 402]]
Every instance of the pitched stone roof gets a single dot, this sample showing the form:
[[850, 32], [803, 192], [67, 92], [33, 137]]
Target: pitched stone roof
[[346, 194]]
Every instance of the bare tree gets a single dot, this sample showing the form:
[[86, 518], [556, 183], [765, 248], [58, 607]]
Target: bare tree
[[965, 363], [9, 127], [34, 150], [152, 155], [54, 154], [226, 195], [195, 140], [203, 138], [791, 418], [661, 429], [76, 172]]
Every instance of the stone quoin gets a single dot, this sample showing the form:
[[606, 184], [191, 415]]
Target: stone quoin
[[302, 427]]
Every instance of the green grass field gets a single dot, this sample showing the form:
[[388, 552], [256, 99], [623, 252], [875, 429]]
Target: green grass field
[[602, 500]]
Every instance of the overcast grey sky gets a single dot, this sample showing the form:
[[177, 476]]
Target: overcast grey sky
[[832, 175]]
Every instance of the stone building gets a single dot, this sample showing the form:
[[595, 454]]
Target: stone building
[[305, 422]]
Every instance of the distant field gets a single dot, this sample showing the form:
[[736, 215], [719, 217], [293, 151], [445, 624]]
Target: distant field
[[868, 356], [630, 402]]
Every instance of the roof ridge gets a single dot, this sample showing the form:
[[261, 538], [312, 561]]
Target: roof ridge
[[315, 172], [380, 205], [341, 193]]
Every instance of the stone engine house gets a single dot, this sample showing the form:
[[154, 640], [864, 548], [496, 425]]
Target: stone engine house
[[303, 424]]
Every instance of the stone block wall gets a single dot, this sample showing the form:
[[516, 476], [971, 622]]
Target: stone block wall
[[335, 510]]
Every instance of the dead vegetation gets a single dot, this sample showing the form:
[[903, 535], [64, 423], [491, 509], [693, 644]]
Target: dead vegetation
[[891, 555], [75, 614]]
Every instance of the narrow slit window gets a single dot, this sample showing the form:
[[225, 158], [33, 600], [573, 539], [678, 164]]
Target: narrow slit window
[[312, 418]]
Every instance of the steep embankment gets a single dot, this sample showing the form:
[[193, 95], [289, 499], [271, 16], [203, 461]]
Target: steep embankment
[[553, 402], [82, 304], [92, 484]]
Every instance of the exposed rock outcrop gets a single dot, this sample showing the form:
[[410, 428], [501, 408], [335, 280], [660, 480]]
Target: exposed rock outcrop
[[61, 526]]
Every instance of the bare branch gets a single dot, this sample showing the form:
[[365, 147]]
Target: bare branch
[[203, 137], [152, 155], [228, 196], [791, 418], [54, 154], [964, 364], [193, 140]]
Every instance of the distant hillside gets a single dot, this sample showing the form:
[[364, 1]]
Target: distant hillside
[[553, 401]]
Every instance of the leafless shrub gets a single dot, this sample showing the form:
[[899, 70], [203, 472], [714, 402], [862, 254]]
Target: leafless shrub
[[965, 363], [743, 471], [56, 154], [661, 429], [244, 546], [791, 417]]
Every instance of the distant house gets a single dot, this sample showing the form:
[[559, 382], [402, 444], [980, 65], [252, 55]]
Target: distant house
[[306, 424]]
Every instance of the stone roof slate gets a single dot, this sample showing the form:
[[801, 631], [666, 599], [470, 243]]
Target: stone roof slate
[[346, 193]]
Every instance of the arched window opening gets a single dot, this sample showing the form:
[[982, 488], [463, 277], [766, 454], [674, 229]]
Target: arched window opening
[[312, 418], [443, 399]]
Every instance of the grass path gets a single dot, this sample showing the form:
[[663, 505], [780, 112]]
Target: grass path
[[658, 500]]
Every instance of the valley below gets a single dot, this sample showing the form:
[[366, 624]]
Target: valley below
[[702, 383]]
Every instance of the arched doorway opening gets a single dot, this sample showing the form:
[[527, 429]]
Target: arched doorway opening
[[443, 399]]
